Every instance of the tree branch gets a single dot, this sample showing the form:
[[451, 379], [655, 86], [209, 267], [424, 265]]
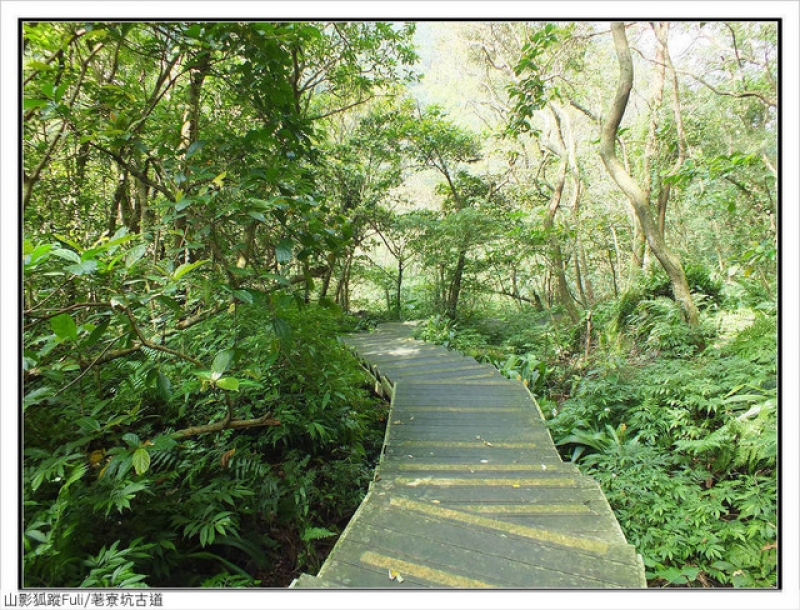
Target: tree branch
[[236, 424]]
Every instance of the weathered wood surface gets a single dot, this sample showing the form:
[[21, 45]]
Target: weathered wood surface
[[470, 491]]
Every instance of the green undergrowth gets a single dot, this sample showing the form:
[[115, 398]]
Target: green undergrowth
[[678, 425], [113, 499]]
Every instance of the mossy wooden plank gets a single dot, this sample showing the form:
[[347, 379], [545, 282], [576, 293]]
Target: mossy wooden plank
[[616, 568], [431, 368], [462, 468], [408, 362], [505, 388], [506, 494], [537, 451], [352, 573], [452, 411], [620, 551], [478, 400], [491, 434], [449, 564], [384, 355], [436, 370], [484, 459], [446, 374], [475, 420], [408, 395], [306, 581], [488, 481]]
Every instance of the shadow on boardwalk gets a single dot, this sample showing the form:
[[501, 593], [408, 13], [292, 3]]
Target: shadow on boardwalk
[[470, 491]]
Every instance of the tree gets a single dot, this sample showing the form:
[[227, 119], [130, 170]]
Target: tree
[[636, 195]]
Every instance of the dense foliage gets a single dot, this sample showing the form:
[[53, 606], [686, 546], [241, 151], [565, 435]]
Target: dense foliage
[[591, 209], [681, 437]]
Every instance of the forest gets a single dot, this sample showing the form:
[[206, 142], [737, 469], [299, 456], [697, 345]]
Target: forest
[[591, 207]]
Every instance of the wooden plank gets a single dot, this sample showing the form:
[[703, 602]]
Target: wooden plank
[[491, 434], [448, 564], [506, 494], [489, 542], [306, 581], [434, 452], [411, 369], [477, 420], [479, 479], [351, 572], [452, 373], [407, 466], [423, 571], [504, 388]]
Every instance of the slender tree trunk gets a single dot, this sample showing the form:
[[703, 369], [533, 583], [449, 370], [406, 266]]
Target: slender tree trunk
[[190, 133], [400, 268], [556, 256], [637, 197], [454, 292], [613, 273], [326, 279]]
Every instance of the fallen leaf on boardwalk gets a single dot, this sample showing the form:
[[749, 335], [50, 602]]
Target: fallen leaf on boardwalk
[[488, 444], [515, 485], [417, 482], [544, 467], [411, 418], [397, 422], [484, 461], [435, 502], [394, 575]]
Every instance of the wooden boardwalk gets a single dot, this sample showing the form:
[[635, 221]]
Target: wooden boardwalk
[[470, 491]]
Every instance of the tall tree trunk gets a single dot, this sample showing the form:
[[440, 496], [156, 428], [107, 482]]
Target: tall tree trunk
[[326, 279], [190, 133], [556, 256], [454, 291], [400, 268], [637, 197]]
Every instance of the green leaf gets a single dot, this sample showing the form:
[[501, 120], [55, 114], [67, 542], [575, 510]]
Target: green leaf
[[183, 204], [132, 439], [243, 295], [282, 330], [673, 576], [171, 303], [228, 383], [94, 337], [89, 424], [316, 533], [135, 255], [30, 102], [221, 363], [163, 442], [141, 460], [67, 255], [82, 268], [36, 535], [163, 386], [194, 147], [186, 268], [283, 280], [218, 180], [283, 251], [64, 327]]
